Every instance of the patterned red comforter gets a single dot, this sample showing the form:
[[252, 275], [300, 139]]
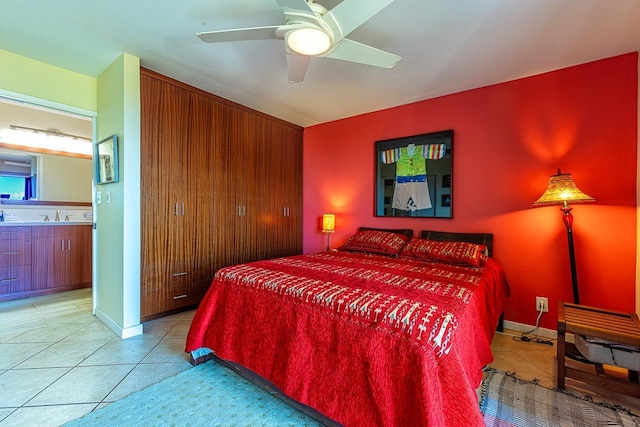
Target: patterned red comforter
[[364, 339]]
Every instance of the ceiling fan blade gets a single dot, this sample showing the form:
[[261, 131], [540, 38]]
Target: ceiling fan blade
[[297, 5], [239, 34], [349, 50], [297, 66], [350, 14]]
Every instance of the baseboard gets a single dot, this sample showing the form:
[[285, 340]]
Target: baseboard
[[521, 327], [123, 333]]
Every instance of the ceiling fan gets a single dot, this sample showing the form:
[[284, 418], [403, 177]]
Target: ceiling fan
[[312, 30]]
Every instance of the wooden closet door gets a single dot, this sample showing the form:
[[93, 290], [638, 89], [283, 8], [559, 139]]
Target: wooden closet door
[[163, 137], [197, 192], [223, 216], [291, 183], [264, 221], [243, 185], [273, 191]]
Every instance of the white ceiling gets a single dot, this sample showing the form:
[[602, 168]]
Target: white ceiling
[[446, 47]]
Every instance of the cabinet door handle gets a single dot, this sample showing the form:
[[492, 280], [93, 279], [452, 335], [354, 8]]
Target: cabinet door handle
[[8, 253], [175, 209], [182, 207], [184, 273], [69, 244], [244, 210], [8, 280], [62, 245], [180, 296]]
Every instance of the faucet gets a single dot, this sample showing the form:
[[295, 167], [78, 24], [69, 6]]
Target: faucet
[[57, 215]]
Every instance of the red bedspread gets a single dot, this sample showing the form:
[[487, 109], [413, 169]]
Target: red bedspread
[[364, 339]]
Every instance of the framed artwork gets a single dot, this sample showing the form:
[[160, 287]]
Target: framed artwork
[[413, 176], [106, 155]]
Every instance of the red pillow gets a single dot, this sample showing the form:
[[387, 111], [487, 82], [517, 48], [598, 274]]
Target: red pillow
[[375, 242], [449, 252]]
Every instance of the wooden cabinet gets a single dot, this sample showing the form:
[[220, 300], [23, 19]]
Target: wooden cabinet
[[61, 257], [221, 185], [15, 261], [74, 258], [44, 259], [177, 257], [262, 212], [285, 161]]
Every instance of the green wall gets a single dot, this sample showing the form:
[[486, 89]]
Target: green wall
[[46, 83], [118, 231], [114, 98]]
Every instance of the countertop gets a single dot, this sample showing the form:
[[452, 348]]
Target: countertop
[[39, 223]]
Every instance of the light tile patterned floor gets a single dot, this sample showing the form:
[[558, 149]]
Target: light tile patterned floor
[[58, 362]]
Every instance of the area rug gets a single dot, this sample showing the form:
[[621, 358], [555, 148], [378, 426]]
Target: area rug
[[509, 401], [212, 394], [207, 395]]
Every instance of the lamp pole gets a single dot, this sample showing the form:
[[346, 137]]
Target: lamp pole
[[567, 218]]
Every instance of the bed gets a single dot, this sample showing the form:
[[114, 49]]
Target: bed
[[388, 330]]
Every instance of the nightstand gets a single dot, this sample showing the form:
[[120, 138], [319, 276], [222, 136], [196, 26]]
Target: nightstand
[[614, 326]]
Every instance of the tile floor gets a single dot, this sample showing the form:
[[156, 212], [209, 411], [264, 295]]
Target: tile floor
[[58, 362]]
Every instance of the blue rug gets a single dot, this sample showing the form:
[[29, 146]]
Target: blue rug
[[212, 394], [206, 395]]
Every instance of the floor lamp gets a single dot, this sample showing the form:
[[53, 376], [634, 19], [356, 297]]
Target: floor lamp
[[328, 225], [560, 191]]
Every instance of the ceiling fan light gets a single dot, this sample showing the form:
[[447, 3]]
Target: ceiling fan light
[[308, 41]]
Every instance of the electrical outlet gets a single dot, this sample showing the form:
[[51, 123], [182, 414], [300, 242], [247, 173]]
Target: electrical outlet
[[542, 304]]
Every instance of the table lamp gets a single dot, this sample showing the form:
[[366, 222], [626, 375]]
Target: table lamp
[[328, 225]]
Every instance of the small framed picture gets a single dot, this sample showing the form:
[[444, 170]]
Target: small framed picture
[[106, 155], [446, 181], [446, 200]]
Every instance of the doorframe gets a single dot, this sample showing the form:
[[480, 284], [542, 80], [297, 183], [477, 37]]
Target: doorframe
[[31, 101]]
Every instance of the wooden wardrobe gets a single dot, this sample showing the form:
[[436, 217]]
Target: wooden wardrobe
[[221, 184]]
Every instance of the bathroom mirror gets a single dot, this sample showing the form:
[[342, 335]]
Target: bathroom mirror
[[414, 176]]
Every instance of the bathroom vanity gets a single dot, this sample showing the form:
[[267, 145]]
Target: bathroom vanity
[[44, 249]]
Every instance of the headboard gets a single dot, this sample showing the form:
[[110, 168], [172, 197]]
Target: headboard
[[406, 231], [477, 238]]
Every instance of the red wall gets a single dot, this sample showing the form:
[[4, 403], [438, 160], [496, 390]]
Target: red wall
[[508, 139]]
